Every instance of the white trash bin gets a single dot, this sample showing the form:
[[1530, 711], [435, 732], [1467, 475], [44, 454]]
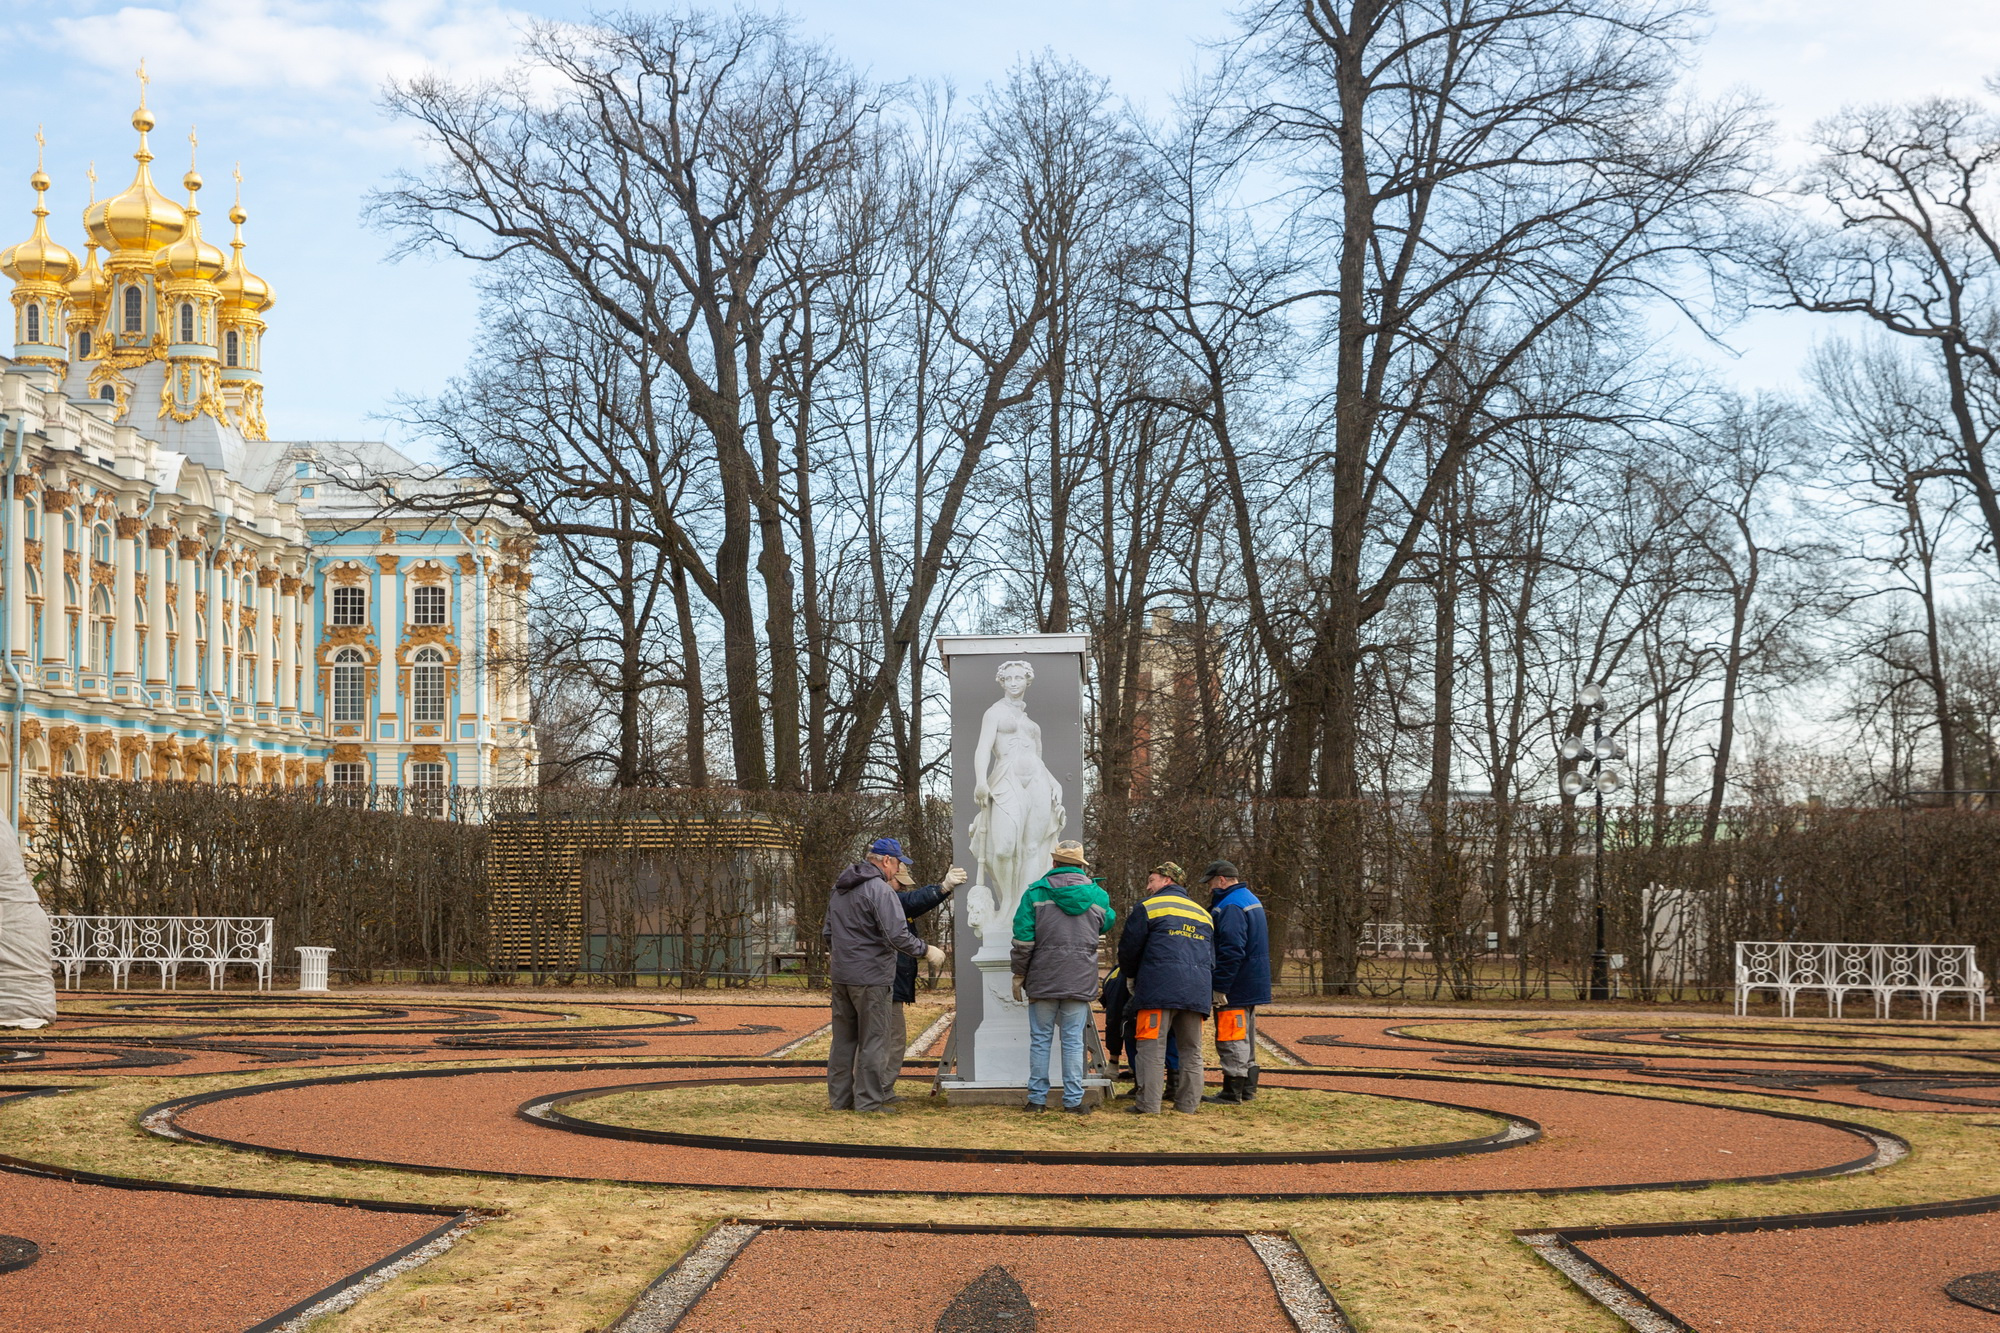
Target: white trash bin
[[312, 969]]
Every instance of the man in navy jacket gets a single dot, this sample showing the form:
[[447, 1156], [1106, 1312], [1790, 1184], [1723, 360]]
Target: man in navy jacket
[[917, 902], [1242, 978], [1168, 952]]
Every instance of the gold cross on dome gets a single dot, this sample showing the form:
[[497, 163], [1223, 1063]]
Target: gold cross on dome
[[143, 81], [193, 144], [92, 173], [238, 173], [40, 144]]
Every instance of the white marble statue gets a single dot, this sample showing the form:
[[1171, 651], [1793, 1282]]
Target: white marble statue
[[1020, 803]]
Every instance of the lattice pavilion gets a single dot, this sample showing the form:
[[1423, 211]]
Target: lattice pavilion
[[182, 596]]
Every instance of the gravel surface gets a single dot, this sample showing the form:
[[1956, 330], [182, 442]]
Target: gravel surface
[[468, 1122], [325, 1042], [868, 1281], [1371, 1043], [1884, 1278], [153, 1261]]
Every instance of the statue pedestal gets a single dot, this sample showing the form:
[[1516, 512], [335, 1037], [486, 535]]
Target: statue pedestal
[[1000, 1049]]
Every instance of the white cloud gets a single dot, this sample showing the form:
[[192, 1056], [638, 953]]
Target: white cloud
[[314, 45]]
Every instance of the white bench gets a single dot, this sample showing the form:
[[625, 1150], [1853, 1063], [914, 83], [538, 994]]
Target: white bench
[[1928, 971], [166, 942]]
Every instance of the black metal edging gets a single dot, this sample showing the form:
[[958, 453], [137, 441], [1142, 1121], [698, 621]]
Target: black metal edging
[[1575, 1255], [1553, 1191], [540, 1111], [291, 1312]]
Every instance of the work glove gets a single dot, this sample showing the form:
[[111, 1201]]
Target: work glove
[[953, 878], [934, 956], [1020, 996], [1221, 1000]]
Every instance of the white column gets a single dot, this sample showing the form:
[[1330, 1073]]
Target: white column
[[125, 601], [218, 626], [156, 607], [19, 627], [267, 634], [288, 621], [188, 552], [55, 598], [388, 625]]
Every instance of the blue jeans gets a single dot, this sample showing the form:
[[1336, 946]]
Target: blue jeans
[[1044, 1016]]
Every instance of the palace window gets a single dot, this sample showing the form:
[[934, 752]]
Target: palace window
[[350, 775], [134, 317], [83, 344], [70, 765], [229, 348], [427, 789], [427, 687], [350, 606], [427, 605], [34, 319], [104, 764], [187, 321], [350, 686], [246, 668], [106, 394]]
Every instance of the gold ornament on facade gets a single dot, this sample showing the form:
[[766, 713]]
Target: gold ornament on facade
[[31, 550], [55, 501], [267, 576], [197, 753], [387, 562], [31, 728], [72, 564], [159, 539], [426, 754], [348, 754], [467, 564], [103, 574], [347, 574], [128, 528], [429, 571], [189, 548], [294, 770], [64, 738], [289, 585], [200, 603], [140, 583]]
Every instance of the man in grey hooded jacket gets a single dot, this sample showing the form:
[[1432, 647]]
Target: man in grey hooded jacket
[[1056, 929], [865, 930]]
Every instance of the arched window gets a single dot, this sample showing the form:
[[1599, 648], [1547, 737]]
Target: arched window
[[71, 766], [138, 768], [350, 606], [34, 321], [107, 394], [187, 321], [427, 686], [104, 764], [229, 341], [103, 543], [427, 604], [350, 686], [134, 318], [246, 668], [83, 344]]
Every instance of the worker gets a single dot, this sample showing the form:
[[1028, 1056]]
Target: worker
[[1168, 952], [1242, 979], [865, 930], [1057, 927]]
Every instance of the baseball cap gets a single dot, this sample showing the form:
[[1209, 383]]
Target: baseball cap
[[888, 847], [1220, 868], [1172, 870], [1069, 852]]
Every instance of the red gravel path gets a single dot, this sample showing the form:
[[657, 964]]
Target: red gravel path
[[1378, 1047], [467, 1122], [864, 1282], [1884, 1278], [151, 1261], [680, 1040]]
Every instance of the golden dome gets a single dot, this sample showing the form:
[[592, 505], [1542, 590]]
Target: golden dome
[[141, 220], [38, 259], [191, 257], [90, 288], [243, 292]]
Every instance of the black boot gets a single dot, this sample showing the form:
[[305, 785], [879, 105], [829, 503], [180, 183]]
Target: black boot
[[1171, 1088], [1248, 1088], [1232, 1091]]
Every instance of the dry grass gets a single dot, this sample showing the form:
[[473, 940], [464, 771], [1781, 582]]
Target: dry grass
[[1295, 1119], [1963, 1052], [566, 1257]]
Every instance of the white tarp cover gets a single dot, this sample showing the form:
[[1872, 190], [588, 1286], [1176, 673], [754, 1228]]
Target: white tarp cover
[[27, 988]]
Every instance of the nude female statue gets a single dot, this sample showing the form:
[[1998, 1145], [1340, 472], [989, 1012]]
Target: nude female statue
[[1020, 802]]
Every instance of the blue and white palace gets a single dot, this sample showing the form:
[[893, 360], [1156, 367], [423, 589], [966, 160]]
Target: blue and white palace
[[185, 598]]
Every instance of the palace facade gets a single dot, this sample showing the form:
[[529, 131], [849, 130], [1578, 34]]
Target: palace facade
[[182, 597]]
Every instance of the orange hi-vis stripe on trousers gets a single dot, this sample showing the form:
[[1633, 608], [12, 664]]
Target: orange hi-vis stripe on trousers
[[1231, 1024], [1147, 1026]]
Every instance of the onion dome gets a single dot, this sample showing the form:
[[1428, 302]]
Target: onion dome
[[141, 220], [191, 258], [243, 292], [38, 259], [90, 289]]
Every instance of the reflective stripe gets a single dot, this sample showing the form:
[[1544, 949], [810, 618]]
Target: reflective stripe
[[1159, 907]]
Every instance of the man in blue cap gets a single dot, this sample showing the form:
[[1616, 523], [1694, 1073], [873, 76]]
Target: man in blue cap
[[865, 930]]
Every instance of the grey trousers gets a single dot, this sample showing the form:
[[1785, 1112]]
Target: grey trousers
[[1151, 1062], [1238, 1056], [861, 1068]]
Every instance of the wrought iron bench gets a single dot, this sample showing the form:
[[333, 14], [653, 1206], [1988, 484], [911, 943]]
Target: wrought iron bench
[[1928, 971], [166, 942]]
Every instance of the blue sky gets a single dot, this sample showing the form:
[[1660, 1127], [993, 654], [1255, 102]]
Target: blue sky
[[289, 88]]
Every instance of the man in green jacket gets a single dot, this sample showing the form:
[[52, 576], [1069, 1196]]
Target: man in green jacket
[[1056, 929]]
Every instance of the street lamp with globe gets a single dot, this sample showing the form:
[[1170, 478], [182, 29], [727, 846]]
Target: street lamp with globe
[[1602, 752]]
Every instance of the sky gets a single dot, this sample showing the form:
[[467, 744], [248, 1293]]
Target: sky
[[290, 89]]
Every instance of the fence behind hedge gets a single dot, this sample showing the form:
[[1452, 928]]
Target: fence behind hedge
[[1489, 900]]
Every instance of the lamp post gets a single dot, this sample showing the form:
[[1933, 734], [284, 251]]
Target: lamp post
[[1602, 751]]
